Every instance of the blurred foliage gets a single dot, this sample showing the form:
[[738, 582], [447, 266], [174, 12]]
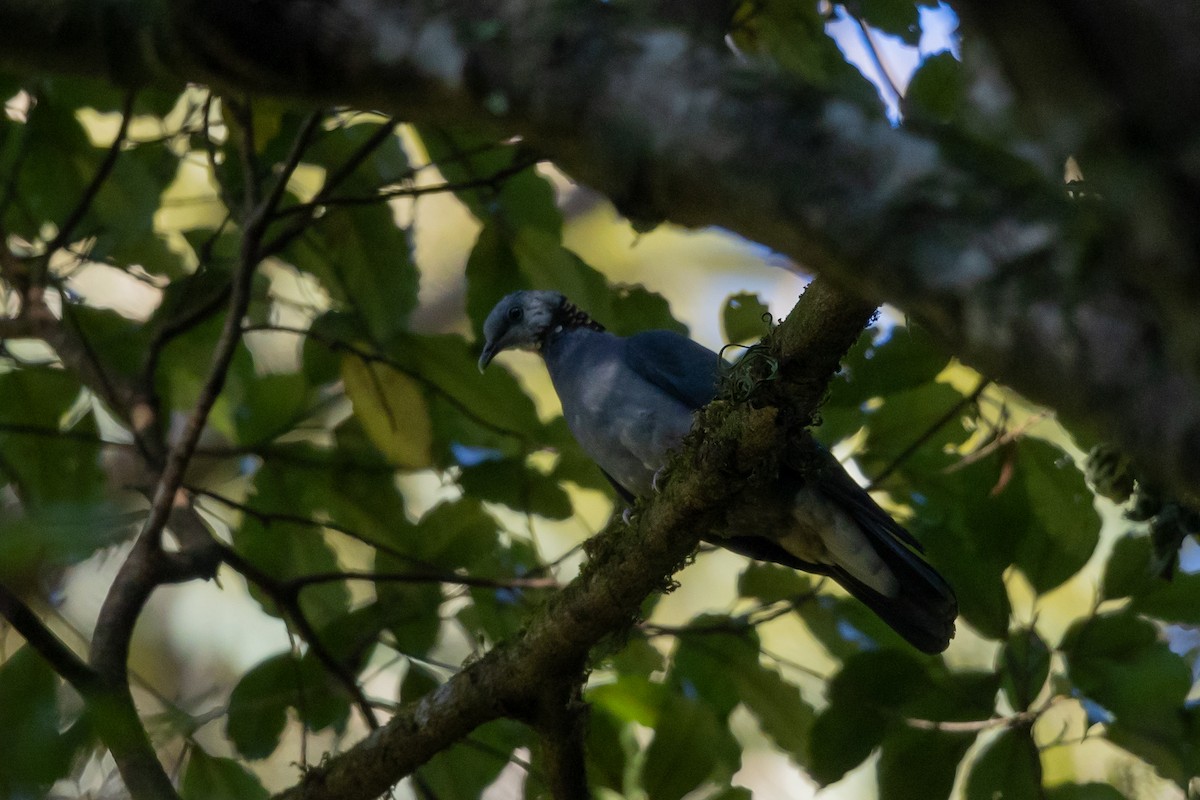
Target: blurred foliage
[[306, 458]]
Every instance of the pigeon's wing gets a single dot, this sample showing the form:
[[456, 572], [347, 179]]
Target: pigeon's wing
[[683, 369], [622, 492]]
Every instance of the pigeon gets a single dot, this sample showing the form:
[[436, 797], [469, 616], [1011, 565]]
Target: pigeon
[[629, 401]]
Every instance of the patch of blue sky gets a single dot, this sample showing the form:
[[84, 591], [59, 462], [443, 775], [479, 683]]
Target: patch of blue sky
[[891, 66]]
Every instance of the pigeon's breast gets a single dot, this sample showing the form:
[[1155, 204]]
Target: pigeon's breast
[[626, 424]]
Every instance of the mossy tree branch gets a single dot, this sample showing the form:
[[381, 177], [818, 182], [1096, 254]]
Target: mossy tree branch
[[1072, 304], [626, 564]]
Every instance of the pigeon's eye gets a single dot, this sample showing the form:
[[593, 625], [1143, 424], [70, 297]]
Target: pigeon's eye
[[515, 313]]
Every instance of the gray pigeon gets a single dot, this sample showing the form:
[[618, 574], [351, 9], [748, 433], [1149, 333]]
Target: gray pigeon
[[628, 401]]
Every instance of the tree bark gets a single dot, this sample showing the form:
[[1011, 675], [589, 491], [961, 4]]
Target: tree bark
[[1085, 306]]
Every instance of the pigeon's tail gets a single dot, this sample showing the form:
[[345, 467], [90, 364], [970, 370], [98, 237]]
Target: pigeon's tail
[[887, 573], [922, 608], [836, 529]]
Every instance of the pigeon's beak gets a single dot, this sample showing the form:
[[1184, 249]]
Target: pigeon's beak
[[485, 358]]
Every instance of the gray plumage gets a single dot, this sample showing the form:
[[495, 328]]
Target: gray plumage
[[630, 400]]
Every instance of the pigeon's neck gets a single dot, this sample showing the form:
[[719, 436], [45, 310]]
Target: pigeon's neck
[[567, 317]]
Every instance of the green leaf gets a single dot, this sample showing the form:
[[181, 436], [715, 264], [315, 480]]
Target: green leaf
[[456, 534], [34, 753], [630, 699], [745, 318], [904, 358], [793, 34], [521, 200], [938, 755], [868, 701], [1066, 526], [413, 610], [505, 260], [386, 163], [35, 545], [492, 272], [1127, 572], [286, 549], [183, 369], [690, 746], [392, 409], [122, 214], [607, 761], [59, 163], [1119, 661], [515, 484], [211, 778], [896, 17], [842, 737], [447, 366], [903, 420], [936, 91], [1009, 766], [1173, 600], [771, 583], [781, 711], [462, 772], [270, 406], [724, 669], [418, 681], [365, 262], [258, 704], [636, 308], [45, 468], [1025, 666], [639, 656]]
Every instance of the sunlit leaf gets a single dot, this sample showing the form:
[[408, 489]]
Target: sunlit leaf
[[392, 410]]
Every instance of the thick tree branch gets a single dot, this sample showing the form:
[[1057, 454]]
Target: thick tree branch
[[1033, 290], [626, 564]]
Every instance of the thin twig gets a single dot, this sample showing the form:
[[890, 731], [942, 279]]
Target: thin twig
[[492, 181], [374, 357], [231, 334], [296, 584], [287, 599], [917, 443], [975, 726], [267, 518], [148, 565], [873, 51], [332, 181], [93, 188], [997, 442], [60, 657]]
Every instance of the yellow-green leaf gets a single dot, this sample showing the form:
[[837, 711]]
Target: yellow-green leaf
[[392, 410]]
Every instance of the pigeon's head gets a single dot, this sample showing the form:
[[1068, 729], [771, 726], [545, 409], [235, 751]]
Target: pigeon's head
[[519, 321]]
